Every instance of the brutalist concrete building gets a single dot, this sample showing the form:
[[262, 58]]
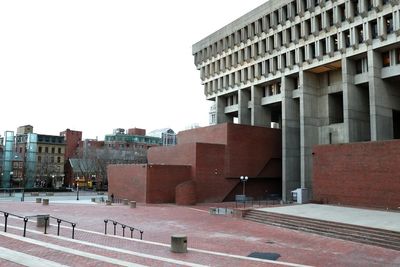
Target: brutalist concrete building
[[325, 72]]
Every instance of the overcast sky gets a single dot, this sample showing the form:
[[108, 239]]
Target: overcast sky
[[98, 65]]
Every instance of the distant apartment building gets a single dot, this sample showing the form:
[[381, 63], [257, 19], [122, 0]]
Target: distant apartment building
[[32, 160], [324, 71], [134, 139], [166, 135]]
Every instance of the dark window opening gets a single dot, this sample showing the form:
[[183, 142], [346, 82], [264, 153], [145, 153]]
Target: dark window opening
[[386, 59], [335, 102], [396, 124]]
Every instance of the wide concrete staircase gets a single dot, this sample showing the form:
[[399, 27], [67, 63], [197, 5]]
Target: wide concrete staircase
[[355, 233], [94, 248]]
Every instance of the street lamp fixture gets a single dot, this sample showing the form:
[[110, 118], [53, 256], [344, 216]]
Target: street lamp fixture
[[77, 188], [244, 180]]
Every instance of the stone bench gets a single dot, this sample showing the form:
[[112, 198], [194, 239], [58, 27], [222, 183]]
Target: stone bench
[[179, 243], [41, 220], [45, 201]]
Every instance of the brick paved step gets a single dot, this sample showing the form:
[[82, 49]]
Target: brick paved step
[[378, 233], [135, 251], [360, 234]]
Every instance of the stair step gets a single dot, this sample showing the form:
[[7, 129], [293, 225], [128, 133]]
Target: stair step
[[366, 235]]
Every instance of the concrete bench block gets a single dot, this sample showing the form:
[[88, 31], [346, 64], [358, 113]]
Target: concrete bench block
[[132, 204], [108, 202], [45, 201], [179, 243], [125, 201], [38, 200], [41, 220]]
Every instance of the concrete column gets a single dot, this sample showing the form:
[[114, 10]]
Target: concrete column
[[354, 38], [304, 29], [379, 99], [355, 106], [295, 34], [272, 65], [349, 10], [396, 22], [270, 44], [244, 114], [367, 32], [299, 57], [290, 139], [265, 68], [300, 7], [382, 28], [291, 11], [261, 48], [309, 123], [337, 16], [330, 46], [363, 4], [220, 105], [259, 117], [290, 59], [325, 21]]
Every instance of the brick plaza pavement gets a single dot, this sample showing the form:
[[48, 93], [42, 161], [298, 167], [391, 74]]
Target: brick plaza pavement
[[215, 240]]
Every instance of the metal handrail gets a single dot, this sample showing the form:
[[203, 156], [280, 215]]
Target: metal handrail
[[58, 225], [6, 214], [115, 223], [46, 219]]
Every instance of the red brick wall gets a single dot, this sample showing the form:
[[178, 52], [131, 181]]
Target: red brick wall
[[72, 139], [250, 148], [214, 158], [215, 134], [185, 193], [127, 181], [137, 131], [162, 181], [360, 174]]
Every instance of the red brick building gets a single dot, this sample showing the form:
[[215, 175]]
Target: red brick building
[[360, 174], [72, 141], [205, 166]]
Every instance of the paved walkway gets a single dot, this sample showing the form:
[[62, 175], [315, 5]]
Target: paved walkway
[[213, 240], [365, 217]]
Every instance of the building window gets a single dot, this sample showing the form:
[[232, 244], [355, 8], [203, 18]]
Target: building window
[[59, 150], [39, 159], [386, 59], [346, 35], [46, 149], [53, 150], [398, 56], [374, 29], [58, 159], [389, 23], [359, 31], [40, 149]]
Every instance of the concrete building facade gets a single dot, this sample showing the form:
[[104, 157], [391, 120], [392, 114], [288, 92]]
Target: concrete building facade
[[325, 72]]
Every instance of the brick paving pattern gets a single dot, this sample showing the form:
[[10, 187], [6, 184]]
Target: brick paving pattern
[[215, 233]]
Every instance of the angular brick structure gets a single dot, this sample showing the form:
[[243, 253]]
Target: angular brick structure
[[212, 159], [360, 174]]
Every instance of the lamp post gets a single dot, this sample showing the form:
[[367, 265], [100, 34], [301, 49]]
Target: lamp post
[[77, 189], [23, 189], [11, 180], [244, 180], [52, 181]]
